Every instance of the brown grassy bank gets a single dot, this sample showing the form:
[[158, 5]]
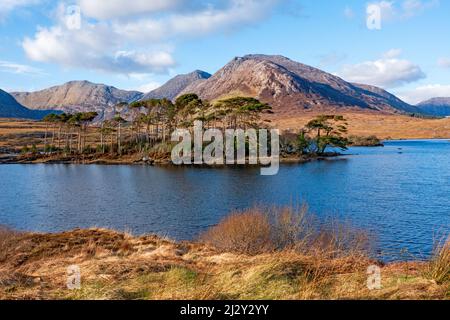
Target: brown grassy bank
[[249, 255], [383, 126]]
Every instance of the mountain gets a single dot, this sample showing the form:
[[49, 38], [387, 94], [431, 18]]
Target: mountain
[[291, 87], [173, 87], [10, 108], [76, 96], [439, 107]]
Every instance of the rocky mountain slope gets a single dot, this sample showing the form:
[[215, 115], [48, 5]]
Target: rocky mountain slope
[[173, 87], [291, 87], [10, 108], [76, 96], [439, 107]]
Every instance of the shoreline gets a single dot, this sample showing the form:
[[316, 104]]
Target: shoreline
[[141, 160], [115, 265]]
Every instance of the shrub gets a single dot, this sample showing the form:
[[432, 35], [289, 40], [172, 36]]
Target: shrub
[[439, 266], [370, 141], [242, 232], [263, 230], [7, 238]]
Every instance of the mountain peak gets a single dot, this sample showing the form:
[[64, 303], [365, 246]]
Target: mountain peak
[[174, 86], [75, 96], [291, 87]]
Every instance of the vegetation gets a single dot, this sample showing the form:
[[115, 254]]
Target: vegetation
[[439, 267], [266, 230], [365, 141], [272, 262], [317, 136], [147, 125]]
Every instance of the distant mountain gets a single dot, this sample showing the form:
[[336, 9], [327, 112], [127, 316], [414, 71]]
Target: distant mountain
[[10, 108], [173, 87], [439, 107], [291, 87], [76, 96]]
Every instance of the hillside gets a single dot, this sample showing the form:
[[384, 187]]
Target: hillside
[[439, 107], [76, 96], [10, 108], [291, 87], [174, 86]]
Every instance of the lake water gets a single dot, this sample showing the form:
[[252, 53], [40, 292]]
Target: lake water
[[400, 192]]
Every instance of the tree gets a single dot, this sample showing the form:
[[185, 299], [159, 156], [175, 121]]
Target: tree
[[118, 121], [241, 112], [329, 131], [51, 118], [187, 108]]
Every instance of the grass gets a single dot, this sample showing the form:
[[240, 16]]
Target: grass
[[383, 126], [298, 260], [439, 266]]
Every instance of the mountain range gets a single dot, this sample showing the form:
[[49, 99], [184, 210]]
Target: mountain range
[[439, 107], [289, 86], [173, 87], [76, 96], [10, 108]]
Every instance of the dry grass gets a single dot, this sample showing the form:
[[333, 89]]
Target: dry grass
[[16, 134], [383, 126], [439, 266], [264, 230], [262, 253], [119, 266]]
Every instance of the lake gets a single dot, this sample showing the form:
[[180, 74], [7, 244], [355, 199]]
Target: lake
[[400, 193]]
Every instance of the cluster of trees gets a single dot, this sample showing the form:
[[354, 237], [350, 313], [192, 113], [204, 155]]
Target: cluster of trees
[[319, 134], [151, 122], [68, 131]]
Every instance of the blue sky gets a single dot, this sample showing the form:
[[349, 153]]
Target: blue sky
[[141, 44]]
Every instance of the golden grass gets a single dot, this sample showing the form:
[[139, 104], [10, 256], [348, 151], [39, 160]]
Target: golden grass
[[383, 126], [439, 267], [119, 266], [16, 134]]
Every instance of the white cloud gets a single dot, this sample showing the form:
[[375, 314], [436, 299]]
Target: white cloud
[[444, 62], [149, 87], [107, 30], [6, 6], [411, 8], [392, 54], [349, 13], [93, 46], [400, 10], [198, 23], [424, 93], [11, 67], [388, 72], [101, 9]]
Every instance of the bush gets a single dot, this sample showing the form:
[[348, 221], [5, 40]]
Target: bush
[[439, 267], [264, 230], [25, 150], [242, 232], [7, 238], [370, 141]]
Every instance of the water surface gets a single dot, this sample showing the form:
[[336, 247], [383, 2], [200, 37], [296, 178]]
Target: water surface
[[401, 193]]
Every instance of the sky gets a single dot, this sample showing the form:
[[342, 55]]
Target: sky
[[399, 45]]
